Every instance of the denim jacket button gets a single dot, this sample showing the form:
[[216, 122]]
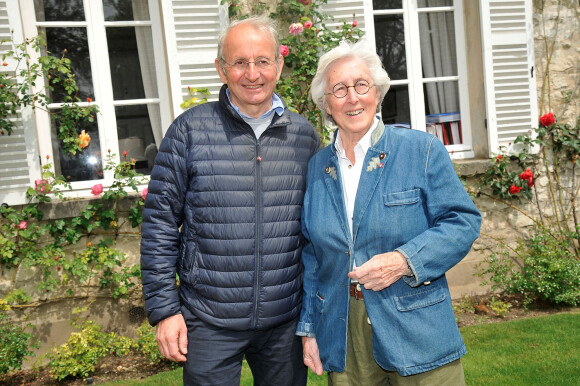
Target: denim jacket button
[[427, 283]]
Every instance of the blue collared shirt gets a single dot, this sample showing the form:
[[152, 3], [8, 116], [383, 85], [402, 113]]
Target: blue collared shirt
[[277, 106]]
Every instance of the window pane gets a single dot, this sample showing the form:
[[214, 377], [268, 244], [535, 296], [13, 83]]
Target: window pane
[[59, 10], [395, 107], [135, 129], [74, 40], [387, 4], [441, 97], [132, 63], [123, 10], [434, 3], [437, 37], [83, 166], [390, 41]]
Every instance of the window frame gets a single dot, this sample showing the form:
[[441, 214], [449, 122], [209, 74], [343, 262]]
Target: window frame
[[102, 82], [415, 80]]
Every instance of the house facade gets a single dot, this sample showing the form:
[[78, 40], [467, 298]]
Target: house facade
[[464, 70], [476, 73]]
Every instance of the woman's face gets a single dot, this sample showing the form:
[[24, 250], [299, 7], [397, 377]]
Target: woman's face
[[354, 114]]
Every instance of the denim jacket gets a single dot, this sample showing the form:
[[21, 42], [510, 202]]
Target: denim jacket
[[410, 200]]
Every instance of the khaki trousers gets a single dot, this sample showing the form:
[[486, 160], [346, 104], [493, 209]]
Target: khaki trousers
[[362, 369]]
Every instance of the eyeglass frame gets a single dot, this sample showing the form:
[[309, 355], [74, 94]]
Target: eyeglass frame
[[347, 87], [247, 63]]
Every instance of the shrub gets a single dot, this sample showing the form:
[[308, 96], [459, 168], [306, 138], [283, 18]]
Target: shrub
[[548, 271], [83, 350], [545, 266], [15, 344]]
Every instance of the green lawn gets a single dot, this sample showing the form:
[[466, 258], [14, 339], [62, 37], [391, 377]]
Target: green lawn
[[535, 351]]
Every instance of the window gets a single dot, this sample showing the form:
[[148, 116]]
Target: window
[[117, 55], [421, 43]]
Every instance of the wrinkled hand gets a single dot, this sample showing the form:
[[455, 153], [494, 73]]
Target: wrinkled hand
[[310, 355], [381, 271], [171, 336]]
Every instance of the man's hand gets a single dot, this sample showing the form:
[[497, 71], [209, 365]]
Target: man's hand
[[311, 356], [381, 271], [171, 336]]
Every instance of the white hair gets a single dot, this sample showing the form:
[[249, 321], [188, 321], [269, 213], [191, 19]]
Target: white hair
[[262, 23], [361, 50]]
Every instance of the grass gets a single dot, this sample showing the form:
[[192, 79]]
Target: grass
[[534, 351]]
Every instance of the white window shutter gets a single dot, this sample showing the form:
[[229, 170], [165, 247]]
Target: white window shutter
[[19, 159], [191, 31], [344, 11], [510, 78]]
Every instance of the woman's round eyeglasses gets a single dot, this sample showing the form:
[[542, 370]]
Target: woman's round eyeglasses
[[340, 90]]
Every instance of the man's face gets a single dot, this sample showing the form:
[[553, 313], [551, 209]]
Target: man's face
[[251, 88]]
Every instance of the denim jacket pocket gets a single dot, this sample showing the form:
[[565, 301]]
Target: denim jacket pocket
[[420, 299], [407, 197], [319, 302]]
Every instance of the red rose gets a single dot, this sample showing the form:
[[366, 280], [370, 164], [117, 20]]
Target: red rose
[[498, 158], [515, 189], [530, 182], [526, 175], [547, 119]]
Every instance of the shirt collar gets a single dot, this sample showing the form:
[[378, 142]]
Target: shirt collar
[[277, 106], [363, 145]]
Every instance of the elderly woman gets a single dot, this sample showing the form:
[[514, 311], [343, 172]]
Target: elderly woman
[[385, 217]]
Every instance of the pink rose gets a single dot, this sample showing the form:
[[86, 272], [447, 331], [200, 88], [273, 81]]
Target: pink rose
[[305, 2], [42, 186], [97, 189], [23, 225], [308, 24], [144, 192], [284, 50], [354, 23], [296, 29]]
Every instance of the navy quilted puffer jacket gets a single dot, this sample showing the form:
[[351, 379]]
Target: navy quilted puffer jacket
[[223, 212]]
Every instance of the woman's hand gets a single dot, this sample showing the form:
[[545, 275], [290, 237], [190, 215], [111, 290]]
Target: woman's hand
[[311, 355], [381, 271]]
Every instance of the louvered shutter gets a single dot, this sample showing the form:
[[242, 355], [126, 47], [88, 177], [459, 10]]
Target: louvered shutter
[[19, 161], [345, 11], [510, 79], [191, 30]]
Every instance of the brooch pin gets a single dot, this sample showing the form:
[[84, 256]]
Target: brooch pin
[[332, 171], [374, 163]]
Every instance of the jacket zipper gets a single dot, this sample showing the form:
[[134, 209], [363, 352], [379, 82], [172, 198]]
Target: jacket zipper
[[257, 262]]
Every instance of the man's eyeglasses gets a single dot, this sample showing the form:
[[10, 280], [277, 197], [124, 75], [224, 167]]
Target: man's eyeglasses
[[340, 90], [242, 64]]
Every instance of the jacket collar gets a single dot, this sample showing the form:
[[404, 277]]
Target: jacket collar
[[224, 103]]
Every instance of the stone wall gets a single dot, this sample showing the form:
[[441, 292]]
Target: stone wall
[[557, 33]]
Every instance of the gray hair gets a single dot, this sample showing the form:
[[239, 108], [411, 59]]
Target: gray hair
[[262, 23], [361, 50]]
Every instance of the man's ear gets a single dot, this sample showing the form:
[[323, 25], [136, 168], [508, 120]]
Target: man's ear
[[280, 67], [221, 71]]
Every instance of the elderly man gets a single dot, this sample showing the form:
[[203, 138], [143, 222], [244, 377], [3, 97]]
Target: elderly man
[[223, 212]]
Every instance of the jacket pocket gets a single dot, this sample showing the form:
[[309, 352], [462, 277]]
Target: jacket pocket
[[407, 197], [420, 299], [187, 264], [319, 302]]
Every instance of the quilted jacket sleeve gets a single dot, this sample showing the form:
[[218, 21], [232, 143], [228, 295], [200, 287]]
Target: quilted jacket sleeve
[[162, 218]]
